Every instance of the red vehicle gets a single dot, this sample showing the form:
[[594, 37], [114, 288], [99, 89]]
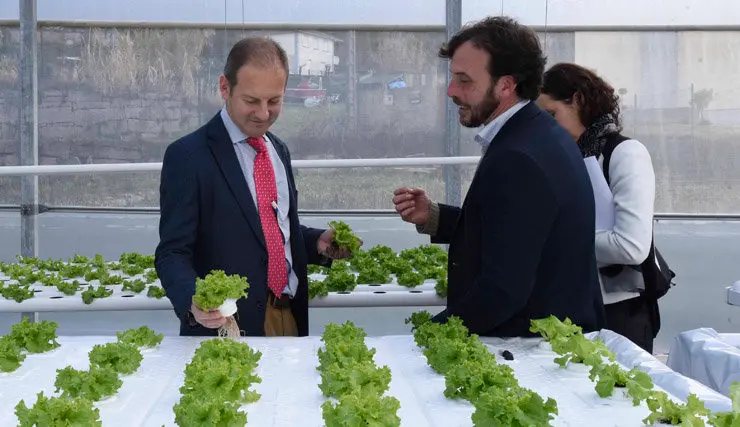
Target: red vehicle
[[302, 89]]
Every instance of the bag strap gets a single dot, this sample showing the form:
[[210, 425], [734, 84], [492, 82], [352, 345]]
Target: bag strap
[[611, 143]]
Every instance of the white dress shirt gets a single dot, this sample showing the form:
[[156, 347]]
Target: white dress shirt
[[246, 155], [486, 135]]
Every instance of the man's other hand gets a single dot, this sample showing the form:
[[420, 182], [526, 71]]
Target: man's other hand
[[412, 204]]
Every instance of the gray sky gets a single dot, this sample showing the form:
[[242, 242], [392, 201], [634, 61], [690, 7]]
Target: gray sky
[[389, 12]]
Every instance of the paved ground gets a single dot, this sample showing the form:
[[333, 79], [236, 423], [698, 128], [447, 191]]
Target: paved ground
[[704, 254]]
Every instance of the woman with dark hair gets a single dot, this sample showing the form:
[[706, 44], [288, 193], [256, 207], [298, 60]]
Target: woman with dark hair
[[587, 107]]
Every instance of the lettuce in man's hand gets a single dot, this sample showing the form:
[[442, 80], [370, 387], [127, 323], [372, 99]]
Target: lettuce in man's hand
[[344, 237], [219, 291]]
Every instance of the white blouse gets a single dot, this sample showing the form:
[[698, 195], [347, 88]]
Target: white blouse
[[624, 211]]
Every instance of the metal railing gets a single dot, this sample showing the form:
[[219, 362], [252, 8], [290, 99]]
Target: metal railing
[[115, 168], [47, 170]]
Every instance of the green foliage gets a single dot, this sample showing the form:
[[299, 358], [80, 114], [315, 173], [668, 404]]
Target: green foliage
[[134, 285], [340, 278], [317, 288], [513, 407], [569, 343], [122, 357], [731, 418], [344, 237], [94, 385], [37, 337], [142, 337], [16, 292], [11, 356], [155, 292], [664, 410], [638, 383], [58, 412], [94, 292], [216, 385], [212, 291], [472, 373], [349, 374]]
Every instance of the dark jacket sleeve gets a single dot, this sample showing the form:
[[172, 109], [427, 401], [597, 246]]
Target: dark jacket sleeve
[[447, 220], [311, 239], [178, 227], [518, 208]]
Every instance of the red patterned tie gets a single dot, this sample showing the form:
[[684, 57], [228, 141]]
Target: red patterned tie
[[264, 183]]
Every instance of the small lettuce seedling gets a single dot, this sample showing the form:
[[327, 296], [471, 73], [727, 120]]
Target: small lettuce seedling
[[344, 237], [219, 291]]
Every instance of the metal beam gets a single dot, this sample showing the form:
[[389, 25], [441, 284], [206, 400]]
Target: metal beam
[[294, 26], [351, 100], [110, 168], [453, 16], [153, 210], [29, 148]]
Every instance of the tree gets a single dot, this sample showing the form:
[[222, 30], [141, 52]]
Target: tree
[[700, 101]]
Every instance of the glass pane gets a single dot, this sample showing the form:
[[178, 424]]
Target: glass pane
[[677, 88], [9, 112], [369, 188], [678, 99], [112, 95]]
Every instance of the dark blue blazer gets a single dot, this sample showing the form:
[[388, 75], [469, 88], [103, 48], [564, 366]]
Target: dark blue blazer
[[209, 221], [522, 245]]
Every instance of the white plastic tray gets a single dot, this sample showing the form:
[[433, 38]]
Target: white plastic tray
[[289, 388], [53, 301], [733, 294], [707, 356], [428, 284], [49, 299]]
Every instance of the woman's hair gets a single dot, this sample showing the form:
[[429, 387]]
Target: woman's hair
[[567, 82]]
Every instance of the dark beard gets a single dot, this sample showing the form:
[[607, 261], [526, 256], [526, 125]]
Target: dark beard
[[480, 113]]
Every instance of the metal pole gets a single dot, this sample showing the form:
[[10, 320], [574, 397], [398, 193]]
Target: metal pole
[[453, 17], [352, 78], [29, 148]]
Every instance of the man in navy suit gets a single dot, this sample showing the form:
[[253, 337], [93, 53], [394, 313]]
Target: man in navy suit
[[522, 244], [228, 202]]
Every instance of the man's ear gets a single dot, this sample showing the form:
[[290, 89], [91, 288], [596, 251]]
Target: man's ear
[[224, 87], [507, 85]]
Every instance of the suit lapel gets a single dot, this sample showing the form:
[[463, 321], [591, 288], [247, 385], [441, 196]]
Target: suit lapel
[[223, 151]]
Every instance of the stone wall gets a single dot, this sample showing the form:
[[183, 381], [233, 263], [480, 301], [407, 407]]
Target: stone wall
[[82, 126]]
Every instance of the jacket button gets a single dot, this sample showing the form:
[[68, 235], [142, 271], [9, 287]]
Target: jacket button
[[260, 306]]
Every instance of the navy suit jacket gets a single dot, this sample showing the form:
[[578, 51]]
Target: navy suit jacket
[[209, 222], [522, 245]]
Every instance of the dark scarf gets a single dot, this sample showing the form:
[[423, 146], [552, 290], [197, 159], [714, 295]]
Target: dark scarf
[[592, 141]]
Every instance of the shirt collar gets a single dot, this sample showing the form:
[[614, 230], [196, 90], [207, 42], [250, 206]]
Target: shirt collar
[[486, 135], [235, 134]]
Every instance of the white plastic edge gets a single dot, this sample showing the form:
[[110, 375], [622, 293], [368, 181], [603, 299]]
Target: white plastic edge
[[228, 308], [710, 358], [630, 355]]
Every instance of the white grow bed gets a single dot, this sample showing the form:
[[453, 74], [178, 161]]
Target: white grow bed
[[290, 393], [707, 356], [733, 294], [49, 299]]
